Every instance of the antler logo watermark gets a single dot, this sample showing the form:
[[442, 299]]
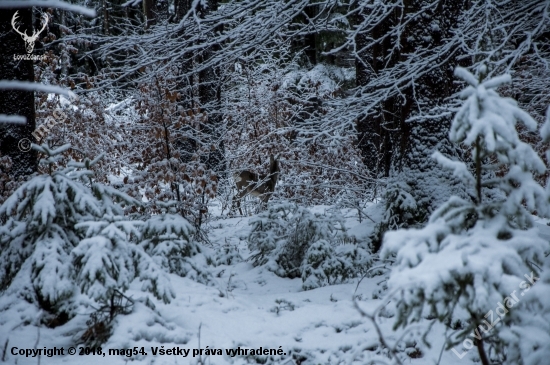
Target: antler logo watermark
[[29, 40]]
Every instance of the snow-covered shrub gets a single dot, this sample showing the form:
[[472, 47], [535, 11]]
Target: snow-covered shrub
[[168, 239], [292, 242], [63, 235], [281, 236], [401, 211], [320, 265], [227, 255], [282, 305], [326, 264], [268, 233], [476, 254]]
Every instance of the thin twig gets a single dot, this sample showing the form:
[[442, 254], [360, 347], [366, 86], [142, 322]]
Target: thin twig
[[443, 347], [5, 349], [36, 343], [365, 275], [372, 318]]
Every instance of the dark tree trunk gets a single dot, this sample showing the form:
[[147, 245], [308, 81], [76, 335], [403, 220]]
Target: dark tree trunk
[[384, 138], [210, 100], [433, 88], [306, 42], [182, 7], [150, 12], [186, 145], [368, 135], [374, 137], [105, 11], [16, 102], [311, 38]]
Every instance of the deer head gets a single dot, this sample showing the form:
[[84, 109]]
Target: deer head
[[29, 40]]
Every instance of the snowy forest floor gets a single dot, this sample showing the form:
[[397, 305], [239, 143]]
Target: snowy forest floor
[[246, 307]]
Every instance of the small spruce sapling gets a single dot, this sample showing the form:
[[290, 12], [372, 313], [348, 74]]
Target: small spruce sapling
[[528, 339], [62, 234], [474, 254], [110, 257], [37, 232], [168, 239]]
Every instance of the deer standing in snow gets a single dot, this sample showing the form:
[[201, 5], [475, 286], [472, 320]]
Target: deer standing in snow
[[262, 186]]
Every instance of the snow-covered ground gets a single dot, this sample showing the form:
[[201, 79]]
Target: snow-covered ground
[[245, 307]]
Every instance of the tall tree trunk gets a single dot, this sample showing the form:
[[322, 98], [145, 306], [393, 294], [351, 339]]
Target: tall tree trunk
[[210, 99], [186, 146], [16, 102], [385, 137], [149, 12], [311, 38], [435, 86], [374, 136], [182, 7], [368, 135]]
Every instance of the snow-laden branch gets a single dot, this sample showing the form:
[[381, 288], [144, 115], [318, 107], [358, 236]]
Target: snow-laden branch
[[48, 4], [31, 86], [247, 25], [12, 119], [242, 29]]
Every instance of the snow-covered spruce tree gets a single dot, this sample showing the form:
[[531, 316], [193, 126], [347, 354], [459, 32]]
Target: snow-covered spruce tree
[[327, 263], [168, 239], [401, 211], [292, 242], [528, 338], [476, 254], [109, 258], [37, 234], [63, 234]]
